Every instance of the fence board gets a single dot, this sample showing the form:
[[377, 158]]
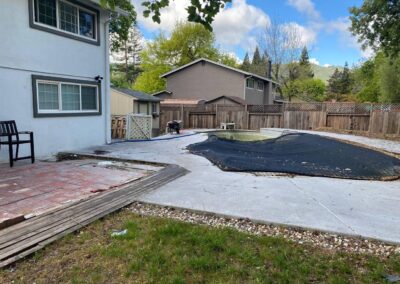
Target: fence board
[[372, 118]]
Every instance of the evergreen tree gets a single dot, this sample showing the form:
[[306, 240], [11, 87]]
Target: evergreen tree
[[345, 80], [256, 57], [264, 65], [127, 56], [305, 65], [334, 84], [246, 63]]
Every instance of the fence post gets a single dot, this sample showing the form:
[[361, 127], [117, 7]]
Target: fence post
[[284, 112], [216, 116], [325, 115], [371, 107], [247, 115]]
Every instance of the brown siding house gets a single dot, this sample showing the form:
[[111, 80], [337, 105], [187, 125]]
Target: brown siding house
[[204, 79]]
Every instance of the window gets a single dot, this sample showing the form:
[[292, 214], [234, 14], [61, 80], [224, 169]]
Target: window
[[56, 96], [48, 96], [260, 85], [142, 108], [250, 83], [86, 24], [45, 12], [154, 107], [66, 18]]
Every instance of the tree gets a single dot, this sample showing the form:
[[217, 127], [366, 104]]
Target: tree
[[246, 63], [377, 24], [390, 80], [305, 68], [345, 80], [334, 84], [307, 89], [199, 11], [256, 57], [366, 82], [127, 57], [188, 42], [282, 43]]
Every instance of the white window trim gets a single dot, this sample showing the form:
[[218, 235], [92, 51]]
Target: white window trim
[[59, 83], [57, 28]]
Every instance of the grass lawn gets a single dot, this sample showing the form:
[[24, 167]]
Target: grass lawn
[[164, 251]]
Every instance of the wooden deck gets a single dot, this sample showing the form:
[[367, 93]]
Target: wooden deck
[[31, 235]]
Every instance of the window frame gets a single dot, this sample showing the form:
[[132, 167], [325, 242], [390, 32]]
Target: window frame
[[248, 80], [36, 79], [258, 85], [58, 31]]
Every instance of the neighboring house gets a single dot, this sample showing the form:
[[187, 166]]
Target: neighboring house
[[54, 72], [227, 101], [204, 79], [124, 101]]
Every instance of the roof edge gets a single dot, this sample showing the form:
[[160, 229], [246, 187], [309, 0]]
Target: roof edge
[[218, 64]]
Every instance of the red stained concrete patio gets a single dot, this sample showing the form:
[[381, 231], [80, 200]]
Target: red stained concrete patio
[[32, 189]]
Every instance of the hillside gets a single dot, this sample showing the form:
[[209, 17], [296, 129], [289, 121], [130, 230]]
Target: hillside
[[323, 73]]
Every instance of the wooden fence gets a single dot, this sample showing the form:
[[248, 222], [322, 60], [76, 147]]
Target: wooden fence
[[380, 119]]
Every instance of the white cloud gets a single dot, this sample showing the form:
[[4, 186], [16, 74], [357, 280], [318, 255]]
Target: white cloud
[[169, 15], [236, 25], [327, 65], [305, 6], [314, 61], [307, 35], [346, 38]]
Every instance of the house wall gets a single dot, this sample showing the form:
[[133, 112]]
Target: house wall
[[205, 81], [121, 104], [257, 97], [25, 51]]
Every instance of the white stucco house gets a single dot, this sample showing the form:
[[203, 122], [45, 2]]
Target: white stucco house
[[54, 72]]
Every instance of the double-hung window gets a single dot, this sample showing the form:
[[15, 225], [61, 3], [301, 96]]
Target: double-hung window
[[63, 97], [250, 83], [64, 17]]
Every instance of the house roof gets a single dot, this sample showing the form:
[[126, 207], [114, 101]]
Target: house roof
[[182, 102], [220, 65], [237, 100], [140, 96], [162, 92]]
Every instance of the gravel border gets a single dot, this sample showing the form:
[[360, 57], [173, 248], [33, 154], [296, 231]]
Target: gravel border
[[328, 241]]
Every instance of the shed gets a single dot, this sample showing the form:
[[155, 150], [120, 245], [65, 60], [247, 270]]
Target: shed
[[124, 101], [227, 100]]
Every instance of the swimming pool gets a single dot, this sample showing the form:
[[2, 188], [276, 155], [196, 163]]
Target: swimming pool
[[245, 136]]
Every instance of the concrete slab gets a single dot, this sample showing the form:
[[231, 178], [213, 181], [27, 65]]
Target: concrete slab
[[367, 208]]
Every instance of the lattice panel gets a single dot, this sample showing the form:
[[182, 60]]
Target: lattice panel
[[138, 126], [386, 107], [275, 108], [304, 107], [348, 108]]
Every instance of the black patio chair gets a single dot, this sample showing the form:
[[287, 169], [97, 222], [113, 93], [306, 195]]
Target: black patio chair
[[9, 130]]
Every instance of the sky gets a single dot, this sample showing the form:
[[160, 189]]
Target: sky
[[322, 25]]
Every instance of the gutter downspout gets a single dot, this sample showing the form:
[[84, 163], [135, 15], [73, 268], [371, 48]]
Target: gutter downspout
[[107, 90]]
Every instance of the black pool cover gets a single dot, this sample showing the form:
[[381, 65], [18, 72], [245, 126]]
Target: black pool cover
[[304, 154]]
